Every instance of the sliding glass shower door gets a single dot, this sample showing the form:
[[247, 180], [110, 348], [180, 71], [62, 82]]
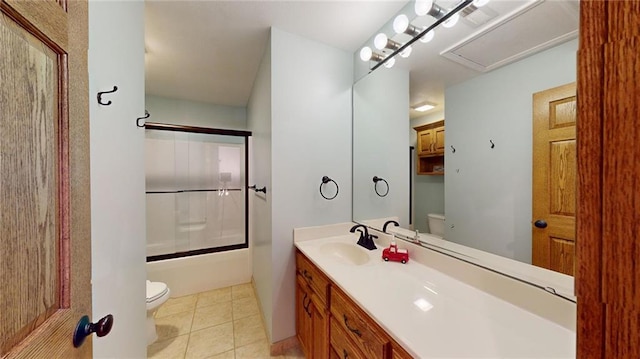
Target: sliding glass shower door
[[196, 192]]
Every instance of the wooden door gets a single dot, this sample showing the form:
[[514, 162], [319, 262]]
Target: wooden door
[[45, 259], [554, 178]]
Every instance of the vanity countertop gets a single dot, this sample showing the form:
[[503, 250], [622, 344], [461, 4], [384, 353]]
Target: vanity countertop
[[433, 315]]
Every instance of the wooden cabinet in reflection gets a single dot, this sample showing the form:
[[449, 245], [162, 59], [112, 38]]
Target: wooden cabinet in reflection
[[430, 149]]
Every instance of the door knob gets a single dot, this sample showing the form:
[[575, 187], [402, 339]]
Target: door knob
[[84, 328], [540, 223]]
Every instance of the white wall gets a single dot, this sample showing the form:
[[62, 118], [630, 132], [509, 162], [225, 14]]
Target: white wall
[[260, 238], [193, 113], [116, 57], [311, 137], [381, 145], [428, 191], [488, 201]]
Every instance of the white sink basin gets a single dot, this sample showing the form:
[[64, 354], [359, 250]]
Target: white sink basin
[[345, 252]]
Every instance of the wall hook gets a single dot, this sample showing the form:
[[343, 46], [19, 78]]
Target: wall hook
[[325, 180], [146, 115], [453, 149], [492, 144], [115, 88]]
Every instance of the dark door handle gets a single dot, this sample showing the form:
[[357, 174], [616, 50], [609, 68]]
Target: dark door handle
[[540, 224], [85, 328]]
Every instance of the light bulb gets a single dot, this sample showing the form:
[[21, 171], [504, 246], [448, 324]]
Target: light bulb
[[365, 53], [480, 3], [400, 23], [389, 64], [422, 7], [428, 36], [380, 41], [406, 52], [452, 21]]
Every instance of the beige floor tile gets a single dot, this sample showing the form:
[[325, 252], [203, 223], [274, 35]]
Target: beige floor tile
[[173, 348], [210, 341], [173, 325], [226, 355], [209, 316], [245, 307], [177, 305], [242, 291], [257, 350], [214, 296], [248, 330]]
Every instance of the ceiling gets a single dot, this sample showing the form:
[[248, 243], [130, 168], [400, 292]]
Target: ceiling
[[210, 51]]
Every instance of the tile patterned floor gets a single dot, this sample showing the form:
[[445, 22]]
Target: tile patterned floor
[[222, 323]]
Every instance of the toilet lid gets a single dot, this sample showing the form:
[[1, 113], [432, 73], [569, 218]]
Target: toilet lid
[[155, 290]]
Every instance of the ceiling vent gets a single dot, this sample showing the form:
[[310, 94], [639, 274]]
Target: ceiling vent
[[475, 17], [536, 26]]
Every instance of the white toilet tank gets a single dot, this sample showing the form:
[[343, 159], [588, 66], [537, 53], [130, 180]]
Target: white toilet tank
[[436, 224]]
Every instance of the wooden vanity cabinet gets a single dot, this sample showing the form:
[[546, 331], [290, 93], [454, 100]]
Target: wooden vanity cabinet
[[430, 149], [369, 338], [330, 325], [312, 312]]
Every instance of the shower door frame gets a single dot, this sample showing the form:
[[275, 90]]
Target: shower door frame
[[210, 131]]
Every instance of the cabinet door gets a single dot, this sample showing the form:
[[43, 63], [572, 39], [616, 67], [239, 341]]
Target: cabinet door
[[425, 142], [438, 140], [304, 328], [320, 328]]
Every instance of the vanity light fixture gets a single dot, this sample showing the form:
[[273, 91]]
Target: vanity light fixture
[[401, 25], [367, 54], [428, 7]]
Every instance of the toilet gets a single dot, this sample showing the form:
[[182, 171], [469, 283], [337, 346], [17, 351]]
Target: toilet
[[436, 224], [157, 294]]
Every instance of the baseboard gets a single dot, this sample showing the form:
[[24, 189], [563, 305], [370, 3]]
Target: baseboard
[[281, 347]]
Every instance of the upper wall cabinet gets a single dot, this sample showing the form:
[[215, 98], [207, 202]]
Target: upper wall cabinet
[[430, 152]]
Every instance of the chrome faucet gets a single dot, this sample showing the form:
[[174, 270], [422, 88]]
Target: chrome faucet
[[366, 239]]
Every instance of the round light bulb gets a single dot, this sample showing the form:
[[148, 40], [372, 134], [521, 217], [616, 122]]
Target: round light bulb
[[406, 52], [422, 7], [366, 53], [452, 21], [428, 36], [480, 3], [380, 41], [389, 64], [400, 23]]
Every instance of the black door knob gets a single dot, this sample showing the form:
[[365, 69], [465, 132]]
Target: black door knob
[[540, 224], [85, 328]]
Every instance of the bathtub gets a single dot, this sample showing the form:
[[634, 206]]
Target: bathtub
[[189, 275]]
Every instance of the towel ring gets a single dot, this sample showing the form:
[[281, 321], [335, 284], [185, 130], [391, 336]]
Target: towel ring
[[377, 179], [325, 180]]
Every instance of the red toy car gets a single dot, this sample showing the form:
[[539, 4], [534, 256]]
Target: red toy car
[[394, 254]]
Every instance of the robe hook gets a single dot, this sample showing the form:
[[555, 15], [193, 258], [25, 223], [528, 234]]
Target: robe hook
[[146, 115], [115, 88]]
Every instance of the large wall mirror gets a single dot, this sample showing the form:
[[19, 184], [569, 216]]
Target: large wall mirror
[[499, 138]]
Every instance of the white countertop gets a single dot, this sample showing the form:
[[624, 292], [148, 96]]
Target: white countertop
[[433, 315]]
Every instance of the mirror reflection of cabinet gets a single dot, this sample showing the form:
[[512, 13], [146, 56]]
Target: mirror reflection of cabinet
[[430, 138]]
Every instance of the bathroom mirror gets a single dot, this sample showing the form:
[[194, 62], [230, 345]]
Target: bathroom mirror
[[481, 76]]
